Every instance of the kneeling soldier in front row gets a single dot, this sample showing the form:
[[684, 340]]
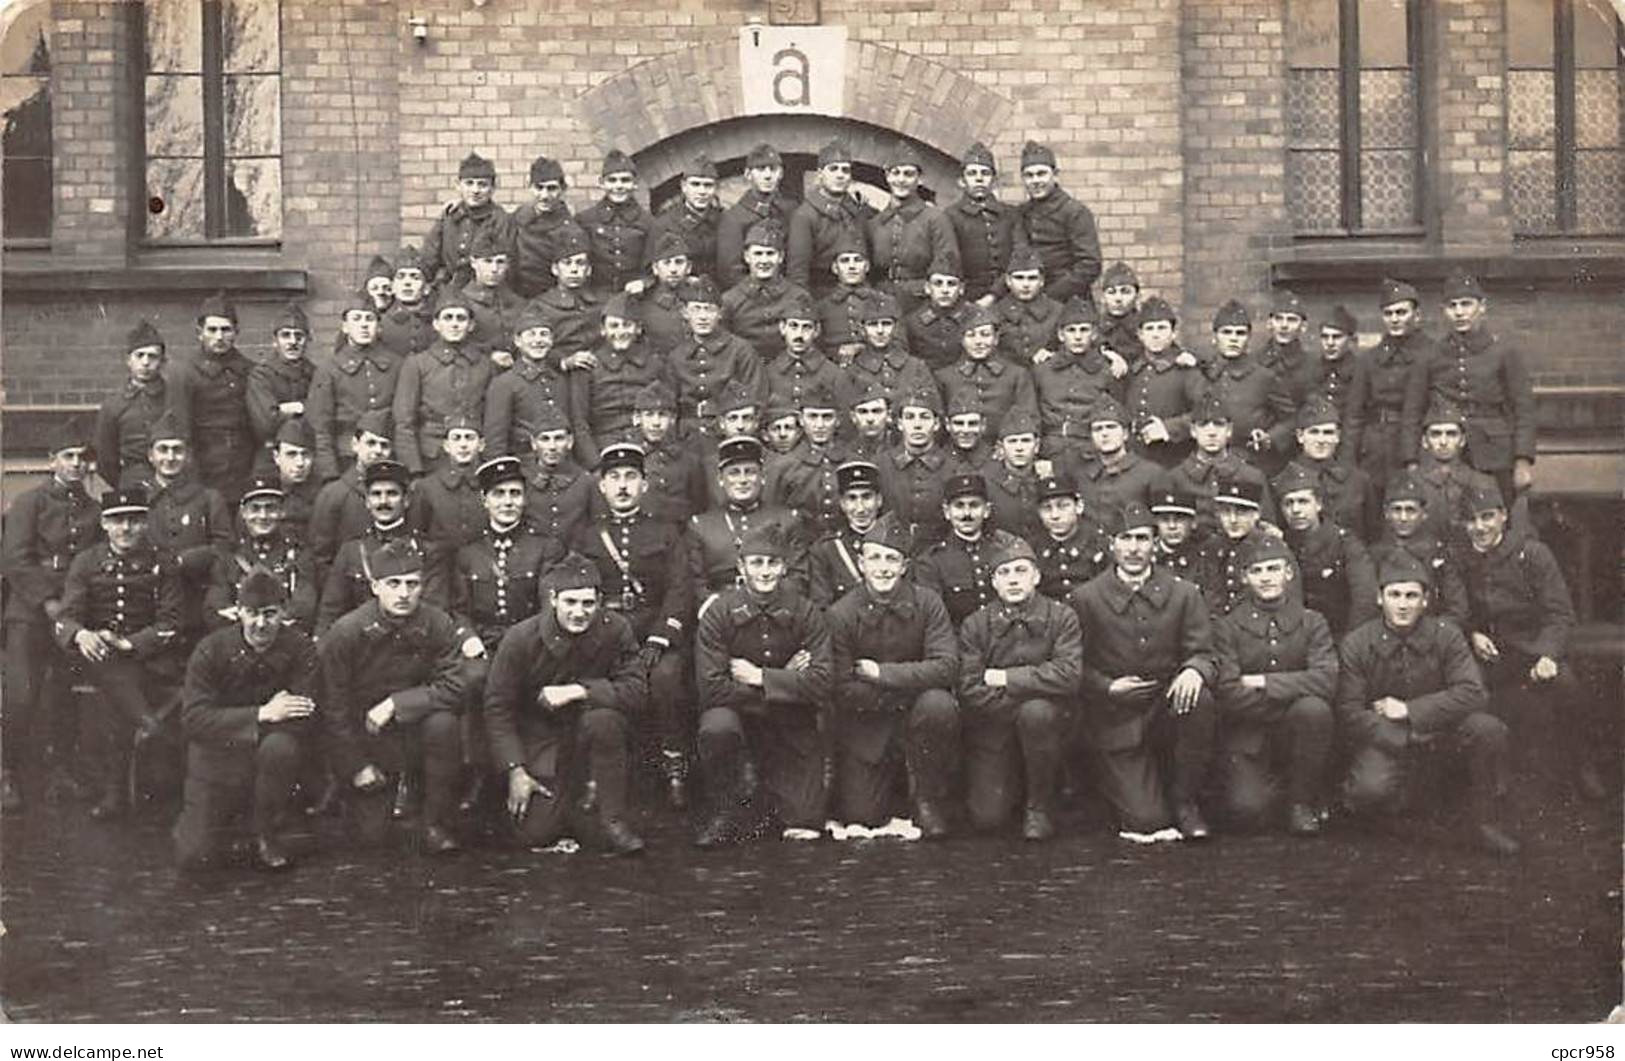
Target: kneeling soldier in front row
[[895, 662], [558, 703], [248, 710]]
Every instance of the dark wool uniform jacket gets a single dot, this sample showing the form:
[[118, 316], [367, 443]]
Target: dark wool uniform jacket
[[226, 682], [1518, 596], [45, 529], [908, 635], [767, 633], [1039, 645], [1429, 667], [1290, 646]]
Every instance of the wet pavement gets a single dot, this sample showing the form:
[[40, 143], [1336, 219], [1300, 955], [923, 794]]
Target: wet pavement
[[1350, 927]]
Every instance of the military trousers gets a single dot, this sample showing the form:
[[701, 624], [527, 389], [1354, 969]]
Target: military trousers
[[1178, 747], [130, 692], [588, 776], [784, 746], [434, 742], [211, 809], [1256, 755], [1385, 755], [1012, 753], [37, 708], [924, 729]]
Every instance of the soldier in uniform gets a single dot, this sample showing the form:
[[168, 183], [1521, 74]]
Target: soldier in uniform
[[1147, 688], [1410, 692], [120, 622], [1116, 475], [762, 657], [913, 473], [560, 701], [1406, 529], [406, 326], [347, 583], [293, 461], [804, 479], [986, 230], [1012, 480], [633, 550], [185, 519], [392, 681], [1283, 351], [45, 528], [884, 359], [959, 568], [1352, 500], [263, 544], [969, 448], [1029, 320], [934, 327], [660, 304], [754, 307], [536, 227], [558, 495], [1069, 545], [1252, 393], [1336, 576], [1070, 384], [909, 234], [1383, 382], [1219, 570], [446, 506], [449, 378], [832, 561], [762, 204], [1179, 541], [446, 247], [360, 380], [341, 510], [675, 476], [868, 411], [781, 428], [1213, 460], [699, 368], [830, 211], [210, 401], [496, 582], [248, 709], [617, 227], [895, 664], [1061, 229], [535, 380], [996, 384], [602, 398], [1446, 477], [1334, 373], [799, 366], [495, 307], [1277, 677], [124, 420], [695, 215], [1020, 656], [1162, 388], [574, 310], [1120, 303], [278, 386], [715, 535], [841, 307]]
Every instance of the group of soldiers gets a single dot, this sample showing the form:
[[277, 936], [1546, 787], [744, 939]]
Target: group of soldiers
[[818, 513]]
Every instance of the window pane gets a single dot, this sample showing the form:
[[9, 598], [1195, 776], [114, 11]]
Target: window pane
[[253, 115], [254, 198], [25, 103], [174, 115], [175, 186], [27, 193], [1599, 187], [1532, 190], [1313, 111], [27, 45], [249, 30], [1312, 33], [1529, 34], [1595, 38], [1531, 114], [1387, 109], [1387, 189], [1315, 190], [1384, 33], [174, 36], [1596, 108]]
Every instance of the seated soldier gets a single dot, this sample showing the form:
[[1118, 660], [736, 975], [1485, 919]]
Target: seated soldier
[[185, 519], [446, 507], [248, 711], [1336, 577], [832, 562], [676, 479], [991, 384], [763, 664], [1519, 623], [1406, 527], [536, 380], [1019, 663], [1277, 676], [1410, 692], [559, 700], [714, 535], [1148, 671], [1116, 476], [884, 360], [293, 459], [121, 618], [1071, 383], [262, 544], [1350, 499], [895, 662], [392, 684], [1218, 569], [959, 568], [1179, 543], [1070, 546], [348, 582], [969, 444], [1029, 320], [912, 474], [558, 495], [638, 555], [1212, 461], [495, 582], [1012, 480], [341, 510]]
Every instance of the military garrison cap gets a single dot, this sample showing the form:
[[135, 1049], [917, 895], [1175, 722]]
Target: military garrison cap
[[143, 335], [475, 165], [573, 571], [260, 589], [391, 559], [1118, 274], [1230, 315]]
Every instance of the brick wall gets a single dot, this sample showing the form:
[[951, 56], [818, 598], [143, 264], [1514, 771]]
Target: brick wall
[[88, 70], [1470, 137]]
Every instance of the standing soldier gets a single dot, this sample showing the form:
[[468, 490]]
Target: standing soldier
[[559, 703], [935, 326], [1283, 351], [910, 233], [120, 621], [799, 366], [559, 492], [404, 328], [894, 666], [124, 421], [832, 562], [754, 306], [804, 480], [1059, 228], [1070, 547], [694, 216], [446, 506], [913, 473], [361, 379], [393, 682], [1020, 657], [617, 227], [447, 379], [1163, 387], [1120, 322], [211, 401], [1116, 476], [699, 368], [1383, 381], [262, 545], [1352, 500], [45, 528], [633, 551], [1335, 372], [446, 247], [346, 585], [1029, 320], [536, 227], [341, 510], [1012, 480], [884, 359], [1251, 392], [495, 307], [762, 204], [1337, 578], [248, 710], [831, 211], [994, 384], [840, 310], [1070, 383], [959, 568], [574, 310], [660, 304], [986, 230], [513, 398], [186, 519], [763, 663], [278, 386], [1148, 672], [675, 475], [293, 461], [969, 447], [602, 399], [1277, 677], [1410, 692], [715, 536]]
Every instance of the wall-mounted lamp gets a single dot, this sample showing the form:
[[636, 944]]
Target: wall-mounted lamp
[[420, 28]]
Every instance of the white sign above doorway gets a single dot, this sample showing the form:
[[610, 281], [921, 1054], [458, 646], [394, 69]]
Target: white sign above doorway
[[793, 69]]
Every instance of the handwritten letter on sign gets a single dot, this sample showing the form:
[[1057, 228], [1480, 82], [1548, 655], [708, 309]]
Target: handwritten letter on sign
[[793, 69]]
